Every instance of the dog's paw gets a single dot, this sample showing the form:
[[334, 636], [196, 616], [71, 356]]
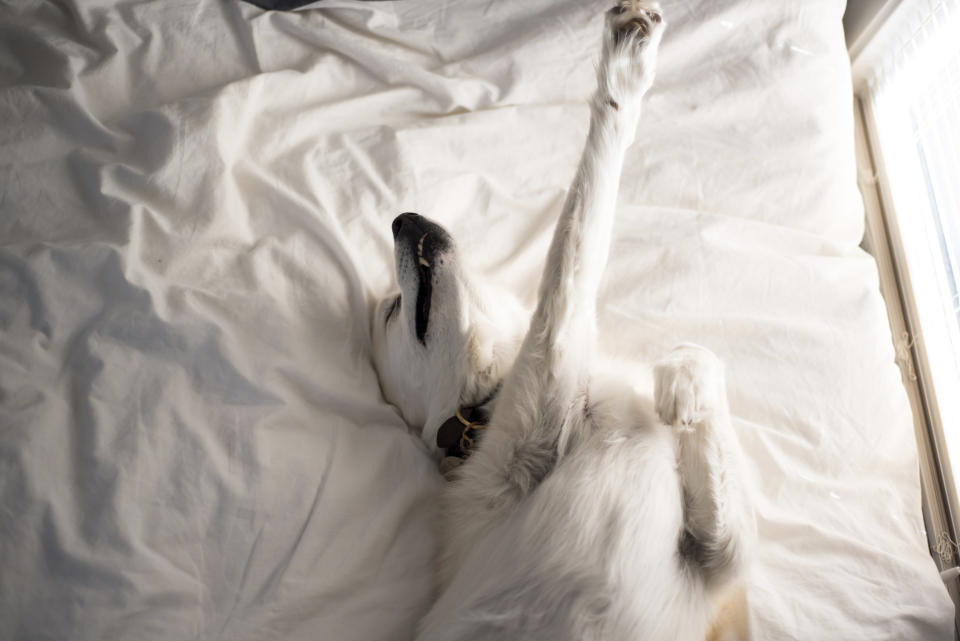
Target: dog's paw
[[688, 386], [635, 22], [633, 33]]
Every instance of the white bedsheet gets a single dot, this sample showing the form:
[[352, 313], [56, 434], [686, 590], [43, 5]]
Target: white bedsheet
[[195, 201]]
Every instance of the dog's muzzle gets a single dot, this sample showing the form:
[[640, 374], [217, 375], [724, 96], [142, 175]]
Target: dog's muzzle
[[425, 237], [426, 240]]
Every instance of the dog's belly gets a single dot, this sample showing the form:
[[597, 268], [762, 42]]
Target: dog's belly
[[591, 553]]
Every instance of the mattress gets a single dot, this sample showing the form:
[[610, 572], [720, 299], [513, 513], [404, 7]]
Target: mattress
[[195, 202]]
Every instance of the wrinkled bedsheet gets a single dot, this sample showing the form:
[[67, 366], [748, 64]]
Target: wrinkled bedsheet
[[195, 201]]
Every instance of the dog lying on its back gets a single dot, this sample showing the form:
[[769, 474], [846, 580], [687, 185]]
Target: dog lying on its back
[[584, 511]]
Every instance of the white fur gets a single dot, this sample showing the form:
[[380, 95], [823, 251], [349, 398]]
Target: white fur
[[589, 511]]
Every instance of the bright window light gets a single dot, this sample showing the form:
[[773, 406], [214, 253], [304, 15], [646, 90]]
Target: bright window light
[[915, 98]]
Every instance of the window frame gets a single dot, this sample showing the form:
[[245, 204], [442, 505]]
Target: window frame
[[882, 239]]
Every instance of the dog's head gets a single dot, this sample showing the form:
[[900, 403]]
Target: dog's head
[[444, 340]]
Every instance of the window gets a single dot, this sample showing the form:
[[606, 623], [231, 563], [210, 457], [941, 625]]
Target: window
[[907, 80]]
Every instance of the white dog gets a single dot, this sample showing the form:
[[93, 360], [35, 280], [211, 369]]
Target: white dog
[[584, 510]]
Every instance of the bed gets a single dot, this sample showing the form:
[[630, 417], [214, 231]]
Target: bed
[[195, 207]]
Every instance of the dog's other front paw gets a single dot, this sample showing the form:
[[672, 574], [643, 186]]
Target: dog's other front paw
[[632, 37], [688, 386]]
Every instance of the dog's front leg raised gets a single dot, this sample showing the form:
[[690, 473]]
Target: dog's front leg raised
[[540, 413], [546, 390]]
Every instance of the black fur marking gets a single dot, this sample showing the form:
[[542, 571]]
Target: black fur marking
[[689, 548], [448, 436], [708, 557], [424, 295]]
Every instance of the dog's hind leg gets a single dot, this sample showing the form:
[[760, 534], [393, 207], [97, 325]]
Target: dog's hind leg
[[540, 414], [718, 524]]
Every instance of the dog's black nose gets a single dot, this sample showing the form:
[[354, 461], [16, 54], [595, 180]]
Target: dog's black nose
[[421, 234], [404, 219]]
